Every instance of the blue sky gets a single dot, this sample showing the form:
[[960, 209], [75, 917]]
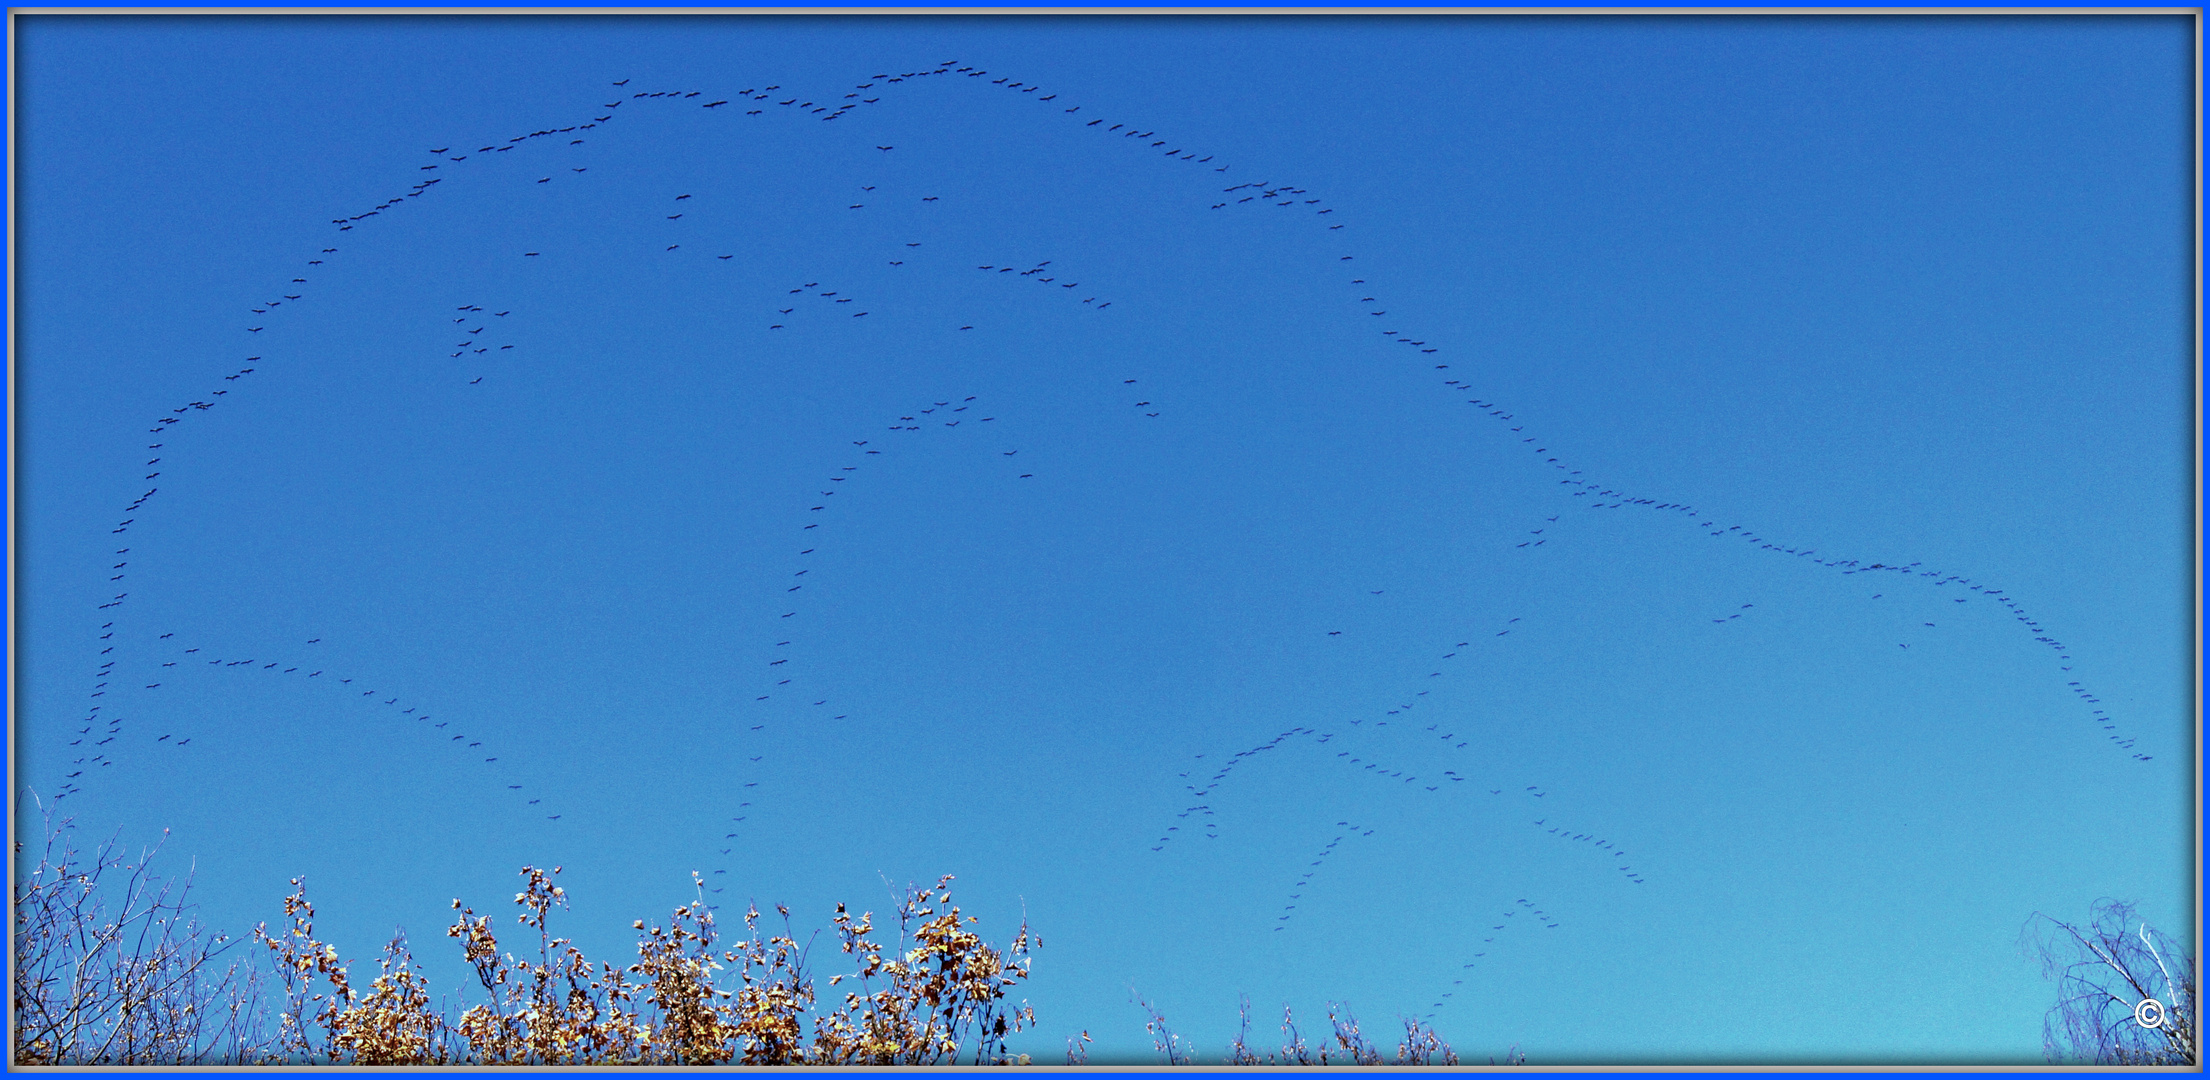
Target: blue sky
[[1235, 532]]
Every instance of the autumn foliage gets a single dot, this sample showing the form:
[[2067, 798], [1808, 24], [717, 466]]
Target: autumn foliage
[[110, 970], [936, 996]]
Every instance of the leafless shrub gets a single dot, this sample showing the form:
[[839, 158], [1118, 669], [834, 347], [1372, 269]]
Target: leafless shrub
[[1421, 1044], [111, 967], [2125, 991]]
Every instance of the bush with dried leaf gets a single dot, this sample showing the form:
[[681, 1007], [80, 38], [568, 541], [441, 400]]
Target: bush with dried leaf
[[142, 985], [943, 993], [938, 993], [392, 1024]]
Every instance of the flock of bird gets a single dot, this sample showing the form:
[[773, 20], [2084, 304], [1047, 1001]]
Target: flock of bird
[[1453, 747], [784, 679], [1289, 909], [1535, 916], [1453, 743]]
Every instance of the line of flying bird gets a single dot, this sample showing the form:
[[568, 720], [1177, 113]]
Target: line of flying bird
[[1363, 301]]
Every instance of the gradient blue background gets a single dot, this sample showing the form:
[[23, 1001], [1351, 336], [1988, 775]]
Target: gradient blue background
[[1900, 290]]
